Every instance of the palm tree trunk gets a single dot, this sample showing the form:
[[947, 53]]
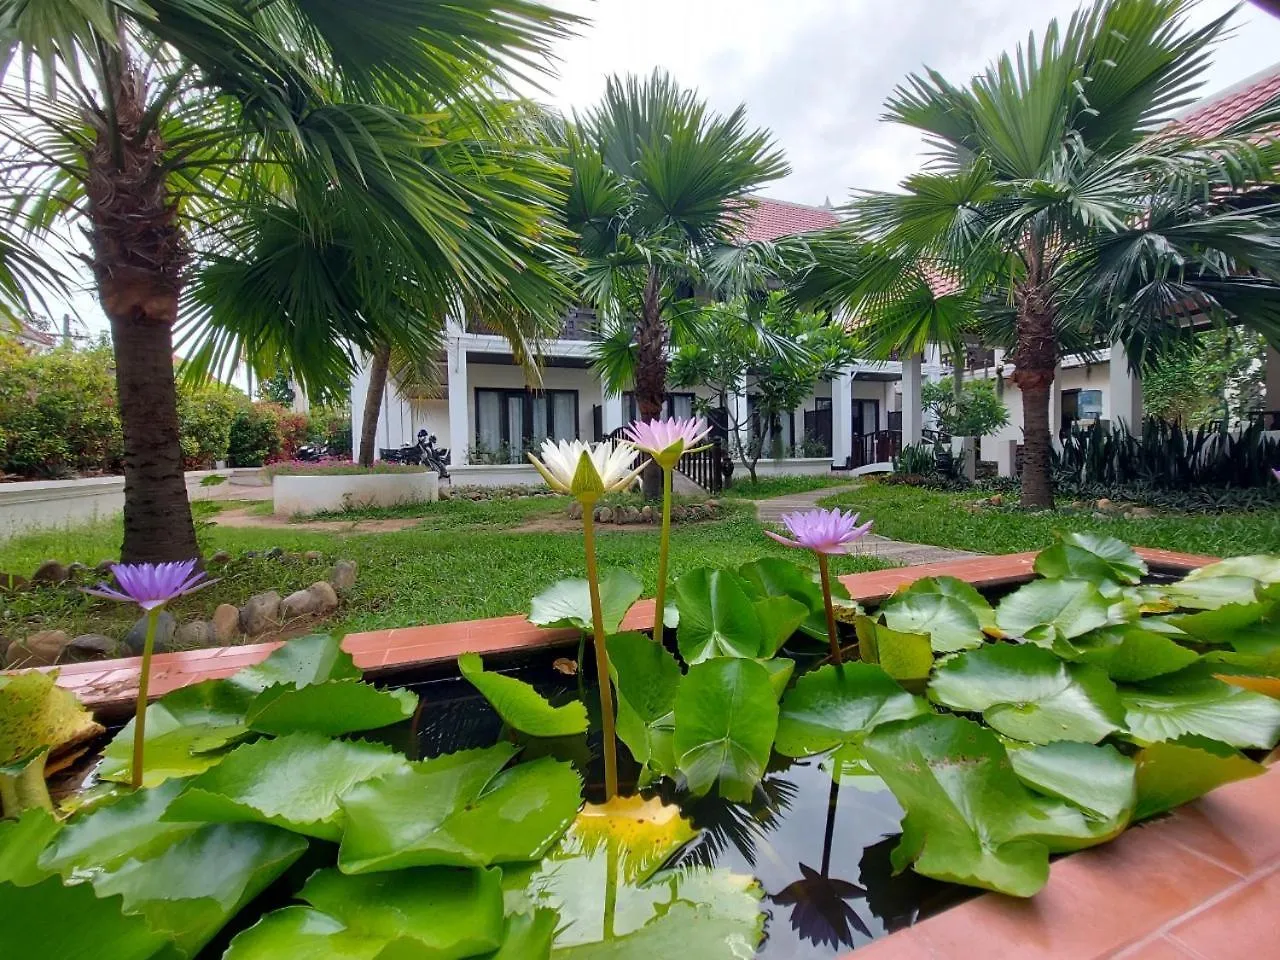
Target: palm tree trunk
[[139, 255], [379, 365], [1036, 357], [651, 371]]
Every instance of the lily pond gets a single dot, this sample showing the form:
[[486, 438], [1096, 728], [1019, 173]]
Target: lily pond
[[788, 785]]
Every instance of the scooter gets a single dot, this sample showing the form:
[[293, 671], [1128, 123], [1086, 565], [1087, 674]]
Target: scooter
[[423, 452]]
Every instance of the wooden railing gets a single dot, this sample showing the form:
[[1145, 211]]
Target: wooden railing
[[880, 446]]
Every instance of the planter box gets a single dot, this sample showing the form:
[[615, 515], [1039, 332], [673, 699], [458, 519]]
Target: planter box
[[45, 504], [300, 493], [495, 475]]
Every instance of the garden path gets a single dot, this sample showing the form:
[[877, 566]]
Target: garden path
[[770, 512]]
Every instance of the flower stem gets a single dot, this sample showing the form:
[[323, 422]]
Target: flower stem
[[664, 550], [609, 746], [140, 715], [825, 571]]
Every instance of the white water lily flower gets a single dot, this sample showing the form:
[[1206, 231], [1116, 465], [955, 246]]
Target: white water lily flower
[[585, 470]]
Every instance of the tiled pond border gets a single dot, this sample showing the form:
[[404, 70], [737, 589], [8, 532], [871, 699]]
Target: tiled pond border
[[1200, 884]]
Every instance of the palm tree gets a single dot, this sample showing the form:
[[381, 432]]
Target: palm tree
[[660, 184], [1060, 210], [277, 175]]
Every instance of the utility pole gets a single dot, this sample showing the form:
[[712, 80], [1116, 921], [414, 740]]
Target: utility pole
[[66, 330]]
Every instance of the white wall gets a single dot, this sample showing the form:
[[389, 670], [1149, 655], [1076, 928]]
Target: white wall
[[44, 504]]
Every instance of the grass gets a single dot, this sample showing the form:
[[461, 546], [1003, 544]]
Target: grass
[[926, 516], [451, 514], [422, 575], [766, 487]]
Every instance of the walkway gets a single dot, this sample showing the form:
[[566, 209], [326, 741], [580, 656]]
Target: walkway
[[769, 512]]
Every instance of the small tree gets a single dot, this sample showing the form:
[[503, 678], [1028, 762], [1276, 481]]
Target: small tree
[[977, 411], [733, 352], [277, 389]]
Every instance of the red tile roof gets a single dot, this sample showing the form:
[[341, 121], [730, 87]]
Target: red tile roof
[[769, 219], [1212, 116]]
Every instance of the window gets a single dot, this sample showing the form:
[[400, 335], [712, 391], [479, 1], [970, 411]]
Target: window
[[675, 405], [510, 423]]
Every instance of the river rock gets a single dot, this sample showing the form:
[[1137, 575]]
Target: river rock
[[10, 582], [313, 556], [326, 596], [260, 613], [166, 627], [197, 634], [89, 646], [633, 514], [343, 576], [76, 571], [103, 567], [51, 571], [220, 557], [646, 513], [40, 649], [1142, 513], [575, 511], [226, 622], [604, 515]]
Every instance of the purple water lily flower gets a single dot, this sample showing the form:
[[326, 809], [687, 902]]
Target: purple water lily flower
[[152, 585], [822, 531]]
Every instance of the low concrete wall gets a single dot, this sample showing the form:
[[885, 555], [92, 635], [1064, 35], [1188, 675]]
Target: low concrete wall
[[44, 504], [790, 466], [299, 493], [495, 475]]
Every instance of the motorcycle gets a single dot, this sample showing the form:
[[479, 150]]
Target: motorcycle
[[313, 451], [424, 453]]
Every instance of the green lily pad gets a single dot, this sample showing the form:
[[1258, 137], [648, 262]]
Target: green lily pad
[[950, 624], [302, 932], [965, 808], [21, 843], [1178, 771], [520, 706], [191, 889], [1195, 703], [51, 920], [779, 619], [1048, 610], [646, 677], [956, 589], [717, 617], [833, 706], [35, 714], [332, 708], [1027, 693], [1210, 593], [903, 656], [300, 662], [780, 670], [129, 827], [568, 602], [1091, 556], [528, 936], [726, 718], [775, 577], [293, 782], [1231, 623], [1264, 567], [1129, 653], [1100, 780], [461, 809]]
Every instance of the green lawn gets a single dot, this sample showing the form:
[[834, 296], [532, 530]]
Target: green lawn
[[926, 516], [767, 487], [428, 574]]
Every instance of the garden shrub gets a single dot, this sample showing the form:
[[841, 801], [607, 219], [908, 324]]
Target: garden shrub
[[205, 415], [255, 437], [293, 430]]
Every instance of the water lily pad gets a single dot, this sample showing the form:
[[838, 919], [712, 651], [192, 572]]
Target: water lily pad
[[1029, 694], [950, 624], [1129, 653], [957, 589], [1091, 556], [1264, 567], [51, 920], [965, 808], [832, 706], [1193, 702], [520, 705], [460, 809], [332, 708], [1210, 593], [1232, 622], [293, 782], [528, 936], [779, 619], [646, 677], [21, 843], [1100, 780], [305, 660], [775, 577], [726, 717], [303, 932], [568, 602], [191, 889], [903, 656], [1049, 610], [36, 713], [717, 617], [1178, 771]]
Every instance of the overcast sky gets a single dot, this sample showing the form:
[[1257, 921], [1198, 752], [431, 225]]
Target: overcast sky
[[816, 72]]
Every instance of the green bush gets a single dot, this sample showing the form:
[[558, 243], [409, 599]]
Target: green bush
[[58, 412], [255, 437], [205, 415]]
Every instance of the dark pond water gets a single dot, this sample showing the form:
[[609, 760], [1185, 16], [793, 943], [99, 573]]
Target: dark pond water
[[820, 851]]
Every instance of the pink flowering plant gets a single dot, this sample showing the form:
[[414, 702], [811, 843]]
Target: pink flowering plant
[[824, 532], [150, 586], [666, 441]]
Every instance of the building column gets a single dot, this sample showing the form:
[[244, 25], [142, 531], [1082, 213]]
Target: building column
[[459, 396], [1055, 408], [1126, 391], [301, 403], [610, 413], [1006, 457], [842, 418], [738, 413], [912, 414], [1272, 363]]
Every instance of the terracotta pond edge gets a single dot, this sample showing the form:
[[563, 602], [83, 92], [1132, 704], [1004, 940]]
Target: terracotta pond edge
[[1199, 884]]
